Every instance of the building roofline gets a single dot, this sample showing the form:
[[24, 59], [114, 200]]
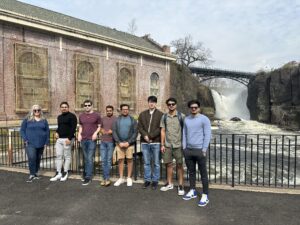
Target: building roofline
[[33, 22]]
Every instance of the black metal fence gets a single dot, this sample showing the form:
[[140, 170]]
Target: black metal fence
[[233, 159]]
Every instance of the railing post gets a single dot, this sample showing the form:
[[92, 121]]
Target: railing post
[[10, 147], [233, 161], [134, 163]]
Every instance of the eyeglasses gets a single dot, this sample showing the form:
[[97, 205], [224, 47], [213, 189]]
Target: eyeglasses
[[87, 105], [171, 104], [194, 107], [36, 110]]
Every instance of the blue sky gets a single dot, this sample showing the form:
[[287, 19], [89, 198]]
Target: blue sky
[[245, 35]]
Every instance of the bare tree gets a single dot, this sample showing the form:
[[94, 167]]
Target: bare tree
[[189, 53], [132, 27]]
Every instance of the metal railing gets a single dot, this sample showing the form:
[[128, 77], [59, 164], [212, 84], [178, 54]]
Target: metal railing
[[233, 159], [254, 159]]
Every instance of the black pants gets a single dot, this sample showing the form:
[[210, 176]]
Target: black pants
[[193, 156]]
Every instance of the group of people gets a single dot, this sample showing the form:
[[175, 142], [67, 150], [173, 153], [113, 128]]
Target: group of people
[[167, 136]]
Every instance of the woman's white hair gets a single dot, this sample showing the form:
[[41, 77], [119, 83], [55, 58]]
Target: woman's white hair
[[31, 114]]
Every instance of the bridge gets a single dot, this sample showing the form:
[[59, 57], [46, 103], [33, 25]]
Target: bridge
[[204, 74]]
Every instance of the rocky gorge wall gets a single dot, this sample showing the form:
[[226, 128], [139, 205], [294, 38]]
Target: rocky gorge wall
[[274, 97], [185, 87]]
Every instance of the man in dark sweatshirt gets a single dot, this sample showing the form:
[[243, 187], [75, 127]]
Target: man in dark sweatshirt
[[149, 127], [67, 123]]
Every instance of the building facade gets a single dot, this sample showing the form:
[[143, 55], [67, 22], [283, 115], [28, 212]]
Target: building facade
[[47, 58]]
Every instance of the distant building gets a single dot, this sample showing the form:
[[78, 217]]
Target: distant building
[[47, 57]]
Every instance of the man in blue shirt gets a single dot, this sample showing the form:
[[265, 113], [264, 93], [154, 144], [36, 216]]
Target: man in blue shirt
[[124, 133], [195, 141]]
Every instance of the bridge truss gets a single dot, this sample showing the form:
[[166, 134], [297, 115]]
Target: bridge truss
[[204, 74]]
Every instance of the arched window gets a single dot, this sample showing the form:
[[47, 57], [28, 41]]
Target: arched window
[[126, 84], [31, 77], [154, 84], [86, 80]]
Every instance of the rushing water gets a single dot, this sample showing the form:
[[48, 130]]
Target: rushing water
[[263, 153], [230, 105]]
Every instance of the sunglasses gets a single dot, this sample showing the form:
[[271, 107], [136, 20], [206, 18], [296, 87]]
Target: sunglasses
[[196, 107], [87, 105], [171, 104], [36, 110]]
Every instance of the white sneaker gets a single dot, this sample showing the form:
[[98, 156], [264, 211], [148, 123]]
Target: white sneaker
[[119, 182], [64, 176], [129, 182], [191, 194], [180, 190], [56, 177], [203, 201], [167, 187]]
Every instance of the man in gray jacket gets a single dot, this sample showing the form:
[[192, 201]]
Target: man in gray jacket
[[124, 134]]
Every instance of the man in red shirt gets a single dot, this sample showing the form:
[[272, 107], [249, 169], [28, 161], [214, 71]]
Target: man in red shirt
[[89, 127]]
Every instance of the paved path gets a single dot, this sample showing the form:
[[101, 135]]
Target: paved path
[[70, 203]]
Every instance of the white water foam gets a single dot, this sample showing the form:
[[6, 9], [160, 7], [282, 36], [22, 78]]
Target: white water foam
[[229, 105]]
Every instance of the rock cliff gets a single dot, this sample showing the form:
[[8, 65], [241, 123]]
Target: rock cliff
[[274, 97], [185, 87]]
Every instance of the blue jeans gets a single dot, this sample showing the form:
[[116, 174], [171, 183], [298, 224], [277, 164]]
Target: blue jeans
[[88, 149], [34, 158], [106, 152], [151, 152]]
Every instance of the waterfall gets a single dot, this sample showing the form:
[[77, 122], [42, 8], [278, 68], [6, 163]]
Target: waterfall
[[231, 104]]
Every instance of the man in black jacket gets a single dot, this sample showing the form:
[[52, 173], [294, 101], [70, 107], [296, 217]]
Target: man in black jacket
[[149, 127], [67, 123]]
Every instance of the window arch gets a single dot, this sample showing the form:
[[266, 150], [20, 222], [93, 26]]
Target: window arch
[[87, 81], [31, 77], [154, 84], [126, 85]]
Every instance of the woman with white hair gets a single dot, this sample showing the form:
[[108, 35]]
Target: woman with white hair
[[35, 133]]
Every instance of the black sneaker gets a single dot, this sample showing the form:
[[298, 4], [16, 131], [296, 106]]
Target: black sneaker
[[36, 177], [86, 182], [146, 184], [30, 179], [154, 185]]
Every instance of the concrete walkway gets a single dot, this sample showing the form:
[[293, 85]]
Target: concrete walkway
[[45, 203]]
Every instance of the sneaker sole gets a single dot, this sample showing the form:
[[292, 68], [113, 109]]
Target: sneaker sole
[[204, 205], [167, 189], [186, 199]]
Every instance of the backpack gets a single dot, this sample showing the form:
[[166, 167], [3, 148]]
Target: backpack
[[179, 116]]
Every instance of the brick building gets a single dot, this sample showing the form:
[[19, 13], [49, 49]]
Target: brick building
[[47, 57]]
